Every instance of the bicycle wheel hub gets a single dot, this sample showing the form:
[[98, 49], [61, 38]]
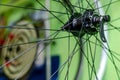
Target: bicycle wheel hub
[[89, 22]]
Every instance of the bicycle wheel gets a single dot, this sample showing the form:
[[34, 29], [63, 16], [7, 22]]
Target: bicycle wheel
[[84, 32], [96, 45]]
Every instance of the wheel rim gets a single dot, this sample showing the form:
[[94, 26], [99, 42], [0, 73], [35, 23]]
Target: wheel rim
[[21, 65]]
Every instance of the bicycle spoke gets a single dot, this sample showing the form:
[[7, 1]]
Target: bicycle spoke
[[110, 2], [85, 30], [111, 56], [29, 8], [107, 4], [50, 12]]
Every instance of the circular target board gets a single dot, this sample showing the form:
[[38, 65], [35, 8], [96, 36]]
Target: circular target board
[[19, 51]]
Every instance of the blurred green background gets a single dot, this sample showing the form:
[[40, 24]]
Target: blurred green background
[[13, 14]]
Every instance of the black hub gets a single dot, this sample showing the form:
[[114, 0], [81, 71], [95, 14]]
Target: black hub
[[87, 23]]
